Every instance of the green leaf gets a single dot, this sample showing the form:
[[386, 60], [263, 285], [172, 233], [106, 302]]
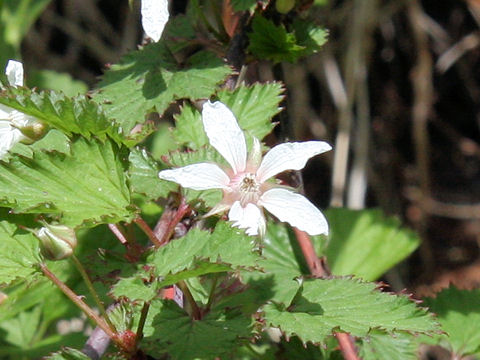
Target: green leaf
[[188, 129], [254, 106], [20, 253], [283, 262], [150, 79], [242, 5], [199, 252], [379, 346], [458, 312], [309, 35], [53, 80], [271, 42], [365, 243], [21, 330], [92, 177], [77, 115], [143, 174], [68, 354], [323, 306], [170, 330]]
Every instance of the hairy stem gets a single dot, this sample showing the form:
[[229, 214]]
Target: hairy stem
[[149, 232], [118, 233], [82, 305], [92, 291], [141, 322], [317, 269], [170, 218], [188, 295]]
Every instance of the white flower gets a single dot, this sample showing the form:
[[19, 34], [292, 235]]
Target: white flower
[[245, 187], [154, 17], [10, 119]]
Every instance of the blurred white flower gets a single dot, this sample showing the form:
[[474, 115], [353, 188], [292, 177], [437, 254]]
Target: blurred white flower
[[10, 119], [154, 17], [245, 187]]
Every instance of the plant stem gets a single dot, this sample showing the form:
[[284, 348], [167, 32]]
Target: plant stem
[[314, 264], [212, 292], [82, 305], [118, 233], [347, 346], [317, 269], [94, 294], [186, 291], [170, 218], [146, 229], [141, 322]]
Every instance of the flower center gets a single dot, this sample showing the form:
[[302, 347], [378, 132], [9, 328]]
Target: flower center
[[249, 189]]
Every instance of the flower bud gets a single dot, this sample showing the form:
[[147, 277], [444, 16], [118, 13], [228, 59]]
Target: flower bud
[[284, 6], [32, 128], [57, 242]]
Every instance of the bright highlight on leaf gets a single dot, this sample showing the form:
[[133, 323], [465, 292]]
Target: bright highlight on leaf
[[245, 187]]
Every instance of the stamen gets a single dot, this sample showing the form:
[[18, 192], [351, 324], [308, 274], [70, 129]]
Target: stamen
[[249, 189]]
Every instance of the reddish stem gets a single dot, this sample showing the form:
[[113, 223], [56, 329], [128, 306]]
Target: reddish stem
[[101, 323], [315, 265], [118, 233], [170, 218], [347, 346], [149, 232]]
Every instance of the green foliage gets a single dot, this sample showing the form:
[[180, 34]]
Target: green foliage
[[150, 79], [458, 312], [198, 253], [143, 175], [282, 263], [16, 17], [53, 80], [242, 5], [366, 243], [215, 335], [254, 106], [323, 306], [77, 115], [20, 253], [273, 42], [92, 176], [188, 129], [379, 346], [68, 354]]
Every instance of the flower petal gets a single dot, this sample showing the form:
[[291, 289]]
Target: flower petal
[[9, 136], [249, 218], [289, 156], [201, 176], [224, 134], [154, 17], [14, 72], [295, 209]]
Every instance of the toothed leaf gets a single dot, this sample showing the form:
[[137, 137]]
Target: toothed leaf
[[92, 176], [322, 306]]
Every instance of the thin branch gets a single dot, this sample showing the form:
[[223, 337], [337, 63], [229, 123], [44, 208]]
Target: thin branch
[[196, 314], [92, 291], [313, 262], [149, 232], [118, 233], [347, 346], [82, 305], [169, 219], [317, 269], [141, 322]]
